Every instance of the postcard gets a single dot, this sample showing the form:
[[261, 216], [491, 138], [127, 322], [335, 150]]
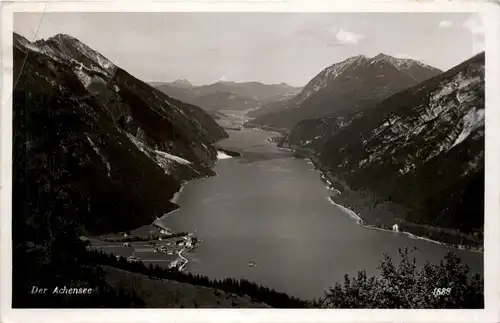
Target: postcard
[[260, 161]]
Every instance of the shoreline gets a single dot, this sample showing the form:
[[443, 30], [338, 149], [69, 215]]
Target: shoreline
[[328, 178], [174, 200], [362, 223], [177, 194], [317, 166]]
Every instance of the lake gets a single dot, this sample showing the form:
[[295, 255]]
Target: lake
[[272, 209]]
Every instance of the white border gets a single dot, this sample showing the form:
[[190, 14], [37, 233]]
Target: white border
[[490, 14]]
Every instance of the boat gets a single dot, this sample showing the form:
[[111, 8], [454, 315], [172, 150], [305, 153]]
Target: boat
[[252, 264]]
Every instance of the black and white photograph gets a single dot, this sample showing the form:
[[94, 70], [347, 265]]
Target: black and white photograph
[[250, 160]]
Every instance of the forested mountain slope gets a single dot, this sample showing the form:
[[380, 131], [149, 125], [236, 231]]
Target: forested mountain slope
[[417, 157]]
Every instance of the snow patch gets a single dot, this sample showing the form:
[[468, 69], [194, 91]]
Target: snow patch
[[471, 121], [177, 159], [166, 161], [222, 155], [100, 60], [84, 78], [142, 147]]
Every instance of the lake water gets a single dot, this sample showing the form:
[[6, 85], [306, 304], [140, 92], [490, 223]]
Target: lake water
[[272, 209]]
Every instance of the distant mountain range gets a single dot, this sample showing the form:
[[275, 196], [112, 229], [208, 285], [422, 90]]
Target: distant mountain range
[[227, 95], [415, 158], [354, 84]]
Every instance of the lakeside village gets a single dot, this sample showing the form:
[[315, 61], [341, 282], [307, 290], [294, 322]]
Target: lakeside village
[[149, 244]]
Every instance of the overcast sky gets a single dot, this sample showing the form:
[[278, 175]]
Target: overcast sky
[[265, 47]]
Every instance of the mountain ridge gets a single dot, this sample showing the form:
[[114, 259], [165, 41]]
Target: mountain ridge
[[255, 93], [138, 125], [429, 139], [353, 84]]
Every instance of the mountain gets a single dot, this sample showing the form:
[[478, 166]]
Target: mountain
[[182, 84], [254, 90], [227, 95], [134, 143], [354, 84], [225, 101], [416, 158]]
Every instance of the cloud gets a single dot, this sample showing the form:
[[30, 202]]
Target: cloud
[[347, 37], [474, 25], [445, 24]]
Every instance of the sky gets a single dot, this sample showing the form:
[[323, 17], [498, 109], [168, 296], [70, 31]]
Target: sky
[[266, 47]]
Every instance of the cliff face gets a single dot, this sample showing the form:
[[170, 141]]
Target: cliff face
[[88, 127], [422, 148], [352, 85]]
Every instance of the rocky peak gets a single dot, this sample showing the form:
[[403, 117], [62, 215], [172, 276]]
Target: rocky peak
[[63, 47], [330, 73], [125, 130], [63, 38], [382, 56], [409, 66]]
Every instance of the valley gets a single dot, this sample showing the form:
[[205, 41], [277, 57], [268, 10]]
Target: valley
[[273, 209], [244, 193]]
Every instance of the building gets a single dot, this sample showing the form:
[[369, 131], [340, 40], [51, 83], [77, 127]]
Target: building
[[173, 264], [395, 228], [132, 259], [165, 231]]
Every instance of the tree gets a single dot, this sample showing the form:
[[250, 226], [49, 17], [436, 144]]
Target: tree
[[447, 285]]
